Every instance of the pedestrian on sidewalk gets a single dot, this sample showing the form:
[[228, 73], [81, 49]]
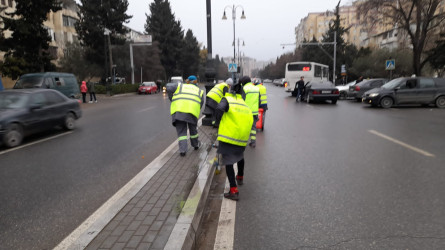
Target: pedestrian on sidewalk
[[187, 100], [215, 95], [92, 91], [300, 88], [84, 90], [235, 122], [253, 101]]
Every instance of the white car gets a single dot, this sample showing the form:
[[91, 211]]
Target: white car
[[344, 89]]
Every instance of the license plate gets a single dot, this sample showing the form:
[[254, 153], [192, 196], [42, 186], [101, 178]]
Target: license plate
[[326, 92]]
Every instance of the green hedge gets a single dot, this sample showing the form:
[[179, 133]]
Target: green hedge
[[117, 89]]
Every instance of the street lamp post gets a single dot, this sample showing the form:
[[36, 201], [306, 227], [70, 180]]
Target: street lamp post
[[107, 33], [238, 50], [233, 18]]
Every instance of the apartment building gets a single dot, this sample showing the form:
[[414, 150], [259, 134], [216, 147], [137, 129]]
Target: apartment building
[[317, 24], [361, 33]]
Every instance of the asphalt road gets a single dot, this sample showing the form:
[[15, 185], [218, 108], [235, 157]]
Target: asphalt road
[[47, 189], [344, 176]]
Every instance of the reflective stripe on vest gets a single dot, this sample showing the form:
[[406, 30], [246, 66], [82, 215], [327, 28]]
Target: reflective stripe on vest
[[216, 93], [263, 94], [186, 99], [236, 123], [252, 97]]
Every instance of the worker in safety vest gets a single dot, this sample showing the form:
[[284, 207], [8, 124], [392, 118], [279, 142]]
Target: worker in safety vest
[[235, 122], [253, 101], [187, 100], [215, 95], [263, 95]]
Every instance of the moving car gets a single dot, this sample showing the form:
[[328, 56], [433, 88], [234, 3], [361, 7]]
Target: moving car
[[177, 79], [320, 91], [356, 91], [27, 111], [279, 82], [148, 88], [415, 90], [66, 83]]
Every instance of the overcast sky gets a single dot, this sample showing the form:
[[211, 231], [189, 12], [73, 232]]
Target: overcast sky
[[267, 25]]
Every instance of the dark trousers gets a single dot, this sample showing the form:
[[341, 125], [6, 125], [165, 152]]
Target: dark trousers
[[299, 94], [181, 129], [84, 95], [231, 172], [93, 94]]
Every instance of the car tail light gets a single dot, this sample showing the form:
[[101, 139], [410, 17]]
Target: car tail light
[[316, 92], [357, 88], [285, 84], [336, 92]]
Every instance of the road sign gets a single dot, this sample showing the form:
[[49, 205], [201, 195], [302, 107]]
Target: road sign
[[233, 67], [390, 64]]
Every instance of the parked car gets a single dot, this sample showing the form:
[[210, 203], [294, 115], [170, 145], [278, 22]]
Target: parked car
[[344, 90], [360, 88], [27, 111], [148, 88], [320, 91], [66, 83], [415, 90]]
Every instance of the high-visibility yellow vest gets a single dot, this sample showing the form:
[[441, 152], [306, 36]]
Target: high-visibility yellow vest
[[252, 97], [216, 93], [263, 94], [186, 99], [236, 123]]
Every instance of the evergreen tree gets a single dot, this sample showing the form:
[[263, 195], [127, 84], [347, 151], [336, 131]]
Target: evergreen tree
[[163, 27], [436, 55], [27, 48], [95, 17], [190, 55]]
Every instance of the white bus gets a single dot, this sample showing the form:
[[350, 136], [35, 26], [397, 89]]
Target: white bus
[[309, 70]]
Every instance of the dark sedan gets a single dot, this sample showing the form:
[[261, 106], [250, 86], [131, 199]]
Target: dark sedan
[[321, 91], [357, 91], [415, 90], [27, 111]]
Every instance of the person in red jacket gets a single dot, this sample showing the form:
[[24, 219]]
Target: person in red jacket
[[84, 90]]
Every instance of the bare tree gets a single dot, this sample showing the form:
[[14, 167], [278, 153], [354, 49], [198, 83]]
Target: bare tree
[[420, 19]]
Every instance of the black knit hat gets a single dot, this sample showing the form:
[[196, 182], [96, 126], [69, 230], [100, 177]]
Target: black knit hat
[[245, 79]]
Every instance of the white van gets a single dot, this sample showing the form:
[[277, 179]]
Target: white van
[[177, 79]]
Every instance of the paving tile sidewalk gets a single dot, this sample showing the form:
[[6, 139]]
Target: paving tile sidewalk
[[148, 219]]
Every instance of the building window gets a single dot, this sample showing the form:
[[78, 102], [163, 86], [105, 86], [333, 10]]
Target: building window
[[10, 3], [3, 2], [69, 21]]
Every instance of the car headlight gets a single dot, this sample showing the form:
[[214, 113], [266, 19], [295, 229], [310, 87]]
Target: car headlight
[[373, 94]]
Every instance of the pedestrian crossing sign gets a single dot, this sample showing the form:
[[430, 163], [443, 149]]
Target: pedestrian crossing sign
[[390, 64], [233, 67]]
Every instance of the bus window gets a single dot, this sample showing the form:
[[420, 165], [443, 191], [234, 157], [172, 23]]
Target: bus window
[[326, 72], [318, 72], [299, 67]]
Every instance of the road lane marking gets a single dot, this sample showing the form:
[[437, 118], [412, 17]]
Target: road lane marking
[[147, 109], [418, 150], [33, 143], [226, 224]]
